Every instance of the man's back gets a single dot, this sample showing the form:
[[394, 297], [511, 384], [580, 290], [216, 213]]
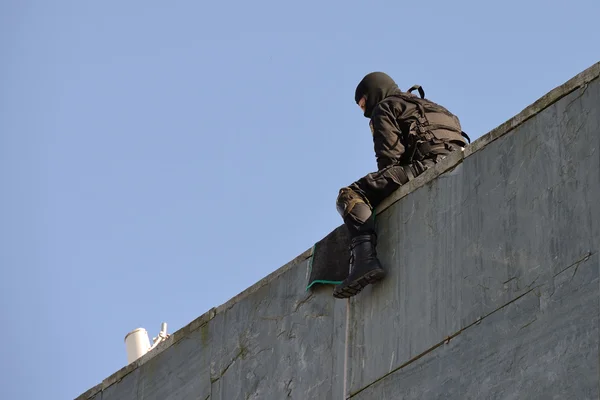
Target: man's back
[[401, 122]]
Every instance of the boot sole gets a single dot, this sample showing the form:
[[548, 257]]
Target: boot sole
[[355, 287]]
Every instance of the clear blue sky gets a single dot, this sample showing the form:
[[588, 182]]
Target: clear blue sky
[[157, 158]]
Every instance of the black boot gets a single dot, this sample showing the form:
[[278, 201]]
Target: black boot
[[365, 268]]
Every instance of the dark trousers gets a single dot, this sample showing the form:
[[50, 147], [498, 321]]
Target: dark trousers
[[356, 202]]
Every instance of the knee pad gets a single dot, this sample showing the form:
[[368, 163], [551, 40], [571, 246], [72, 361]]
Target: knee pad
[[347, 200]]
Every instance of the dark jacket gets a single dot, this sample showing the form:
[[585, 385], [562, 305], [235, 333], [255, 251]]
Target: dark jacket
[[401, 135], [405, 127]]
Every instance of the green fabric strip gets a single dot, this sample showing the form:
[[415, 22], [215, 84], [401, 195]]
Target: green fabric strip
[[325, 282]]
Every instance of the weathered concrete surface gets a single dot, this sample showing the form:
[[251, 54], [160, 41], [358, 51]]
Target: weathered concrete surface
[[543, 345], [507, 218], [496, 250], [278, 341]]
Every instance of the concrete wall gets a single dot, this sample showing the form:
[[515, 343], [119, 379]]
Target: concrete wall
[[493, 291]]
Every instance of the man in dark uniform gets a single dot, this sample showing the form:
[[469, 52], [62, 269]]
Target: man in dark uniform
[[410, 134]]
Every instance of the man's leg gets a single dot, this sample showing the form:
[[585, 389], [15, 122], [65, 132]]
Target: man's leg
[[355, 204]]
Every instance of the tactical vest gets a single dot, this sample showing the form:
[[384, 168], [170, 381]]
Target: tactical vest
[[430, 134]]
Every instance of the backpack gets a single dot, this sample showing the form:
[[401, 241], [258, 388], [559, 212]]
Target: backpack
[[427, 108], [427, 138]]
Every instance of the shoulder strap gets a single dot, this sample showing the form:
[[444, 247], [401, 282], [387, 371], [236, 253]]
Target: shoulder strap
[[419, 88], [463, 134]]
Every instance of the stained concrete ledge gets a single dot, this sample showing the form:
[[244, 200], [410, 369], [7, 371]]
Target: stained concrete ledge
[[275, 326], [580, 81], [192, 327]]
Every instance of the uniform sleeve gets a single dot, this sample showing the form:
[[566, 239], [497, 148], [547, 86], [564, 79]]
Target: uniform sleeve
[[386, 137]]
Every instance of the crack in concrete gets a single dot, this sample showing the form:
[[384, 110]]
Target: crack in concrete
[[527, 324], [281, 333], [534, 281], [316, 387], [576, 263], [288, 387], [412, 212], [296, 307], [582, 90], [235, 358], [511, 279], [519, 169], [262, 351], [303, 301]]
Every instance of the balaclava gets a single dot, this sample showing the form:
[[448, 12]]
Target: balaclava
[[376, 86]]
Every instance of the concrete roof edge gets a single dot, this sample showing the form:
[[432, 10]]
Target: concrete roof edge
[[192, 326], [580, 80]]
